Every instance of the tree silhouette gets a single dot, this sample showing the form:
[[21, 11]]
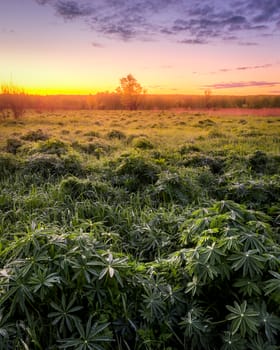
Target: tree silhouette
[[131, 92], [207, 96], [13, 98]]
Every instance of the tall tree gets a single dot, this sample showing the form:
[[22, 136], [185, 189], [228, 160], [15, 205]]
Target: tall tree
[[131, 92]]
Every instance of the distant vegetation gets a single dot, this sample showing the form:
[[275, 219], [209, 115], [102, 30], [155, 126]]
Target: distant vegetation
[[139, 230], [112, 101], [13, 99], [130, 95]]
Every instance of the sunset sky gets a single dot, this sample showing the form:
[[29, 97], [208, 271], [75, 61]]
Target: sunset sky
[[171, 46]]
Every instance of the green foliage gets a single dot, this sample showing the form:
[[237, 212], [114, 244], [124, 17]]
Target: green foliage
[[116, 134], [216, 165], [53, 146], [174, 187], [134, 172], [35, 135], [256, 194], [146, 251], [258, 161], [92, 337], [13, 145], [8, 165], [97, 148], [185, 149], [244, 319], [142, 143], [49, 165], [82, 189]]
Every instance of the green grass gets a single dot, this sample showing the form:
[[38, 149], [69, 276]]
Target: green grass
[[139, 230]]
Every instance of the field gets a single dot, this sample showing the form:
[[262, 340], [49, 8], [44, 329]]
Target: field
[[140, 230]]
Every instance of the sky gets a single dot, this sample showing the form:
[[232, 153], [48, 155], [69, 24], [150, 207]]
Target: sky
[[230, 47]]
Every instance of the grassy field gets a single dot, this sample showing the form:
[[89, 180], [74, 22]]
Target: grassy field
[[140, 230]]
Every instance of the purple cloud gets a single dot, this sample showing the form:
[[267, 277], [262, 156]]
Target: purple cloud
[[186, 22], [98, 45], [248, 43], [193, 41], [241, 84], [242, 68], [72, 9]]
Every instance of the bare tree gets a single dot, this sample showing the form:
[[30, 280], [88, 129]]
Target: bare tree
[[13, 98], [207, 96], [131, 92]]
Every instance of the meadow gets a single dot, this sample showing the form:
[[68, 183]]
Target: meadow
[[140, 230]]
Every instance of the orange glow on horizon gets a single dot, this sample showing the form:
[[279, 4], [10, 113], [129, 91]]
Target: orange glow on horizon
[[41, 91]]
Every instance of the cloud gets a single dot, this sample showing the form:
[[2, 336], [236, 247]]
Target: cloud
[[247, 43], [243, 68], [267, 10], [7, 31], [186, 22], [71, 9], [233, 85], [98, 45], [276, 92], [42, 2], [166, 66], [193, 41]]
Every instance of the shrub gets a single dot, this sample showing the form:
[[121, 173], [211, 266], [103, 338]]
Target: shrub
[[172, 187], [142, 143], [135, 172], [257, 194], [82, 189], [49, 165], [258, 161], [218, 288], [209, 182], [35, 135], [53, 146], [185, 149], [92, 134], [116, 134], [215, 134], [216, 164], [96, 148], [13, 145], [8, 165]]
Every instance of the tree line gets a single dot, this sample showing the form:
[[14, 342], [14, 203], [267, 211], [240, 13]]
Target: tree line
[[129, 95]]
